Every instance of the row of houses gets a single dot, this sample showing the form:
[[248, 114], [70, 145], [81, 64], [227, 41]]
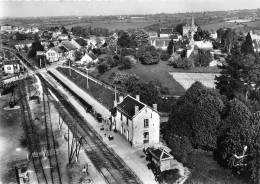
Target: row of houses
[[11, 29]]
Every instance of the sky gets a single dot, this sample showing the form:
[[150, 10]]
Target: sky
[[26, 8]]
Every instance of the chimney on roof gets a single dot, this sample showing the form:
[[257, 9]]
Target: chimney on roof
[[137, 97], [136, 109], [155, 107], [121, 99]]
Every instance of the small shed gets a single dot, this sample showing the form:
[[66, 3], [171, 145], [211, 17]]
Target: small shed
[[11, 66], [162, 159]]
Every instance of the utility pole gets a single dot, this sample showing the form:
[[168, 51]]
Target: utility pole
[[69, 67], [87, 79], [40, 63]]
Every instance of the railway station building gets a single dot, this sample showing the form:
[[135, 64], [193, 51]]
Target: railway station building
[[137, 122]]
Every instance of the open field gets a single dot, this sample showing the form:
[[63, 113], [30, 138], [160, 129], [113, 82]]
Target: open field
[[217, 26], [116, 24], [245, 26], [255, 24], [187, 79], [160, 72]]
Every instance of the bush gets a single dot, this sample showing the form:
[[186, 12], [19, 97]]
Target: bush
[[164, 56], [103, 67], [125, 63], [116, 57], [111, 62], [184, 63], [127, 52]]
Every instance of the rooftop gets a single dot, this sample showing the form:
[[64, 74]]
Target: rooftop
[[127, 106], [166, 30], [81, 42], [11, 62], [160, 154], [68, 45]]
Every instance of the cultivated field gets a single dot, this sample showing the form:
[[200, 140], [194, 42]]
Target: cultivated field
[[187, 79]]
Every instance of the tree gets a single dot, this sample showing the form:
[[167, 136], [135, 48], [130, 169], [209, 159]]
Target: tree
[[125, 63], [112, 63], [36, 46], [202, 58], [133, 85], [201, 35], [228, 41], [207, 121], [247, 46], [103, 67], [139, 38], [179, 28], [51, 45], [170, 47], [123, 39], [148, 55], [19, 36], [235, 134], [63, 30], [239, 75], [36, 36]]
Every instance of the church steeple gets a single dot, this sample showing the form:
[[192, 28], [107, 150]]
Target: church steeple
[[192, 21], [192, 30]]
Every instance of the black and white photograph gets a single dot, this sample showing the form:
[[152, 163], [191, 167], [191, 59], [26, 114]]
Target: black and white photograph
[[129, 92]]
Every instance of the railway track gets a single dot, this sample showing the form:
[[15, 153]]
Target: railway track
[[29, 129], [106, 161], [45, 163], [51, 152]]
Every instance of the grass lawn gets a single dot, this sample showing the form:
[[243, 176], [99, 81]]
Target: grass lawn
[[159, 72], [100, 93], [205, 170]]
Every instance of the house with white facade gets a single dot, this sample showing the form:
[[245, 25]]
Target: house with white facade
[[89, 58], [54, 54], [138, 123], [11, 66]]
